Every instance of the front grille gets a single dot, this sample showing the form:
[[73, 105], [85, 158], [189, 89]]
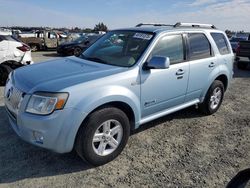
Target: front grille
[[11, 115], [15, 98]]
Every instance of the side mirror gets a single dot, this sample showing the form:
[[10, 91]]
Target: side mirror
[[158, 62]]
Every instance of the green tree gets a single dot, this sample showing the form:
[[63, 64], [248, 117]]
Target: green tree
[[101, 27]]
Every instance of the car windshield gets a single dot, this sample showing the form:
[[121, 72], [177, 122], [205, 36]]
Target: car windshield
[[81, 39], [119, 48]]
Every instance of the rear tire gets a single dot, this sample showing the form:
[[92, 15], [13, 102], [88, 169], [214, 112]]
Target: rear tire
[[98, 144], [241, 65], [4, 73], [213, 99]]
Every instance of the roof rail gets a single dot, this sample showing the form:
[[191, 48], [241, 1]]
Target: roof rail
[[180, 24], [153, 24]]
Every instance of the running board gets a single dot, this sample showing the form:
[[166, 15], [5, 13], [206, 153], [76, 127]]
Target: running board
[[168, 111]]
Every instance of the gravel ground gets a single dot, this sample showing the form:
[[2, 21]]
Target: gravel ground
[[44, 56], [185, 149]]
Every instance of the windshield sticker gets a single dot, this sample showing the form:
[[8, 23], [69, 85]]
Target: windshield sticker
[[143, 36]]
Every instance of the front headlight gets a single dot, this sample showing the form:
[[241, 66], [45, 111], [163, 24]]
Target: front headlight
[[45, 103]]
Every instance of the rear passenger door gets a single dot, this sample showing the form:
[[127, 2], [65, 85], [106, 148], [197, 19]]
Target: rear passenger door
[[202, 64]]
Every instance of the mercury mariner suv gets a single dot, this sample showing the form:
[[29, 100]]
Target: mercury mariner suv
[[126, 78]]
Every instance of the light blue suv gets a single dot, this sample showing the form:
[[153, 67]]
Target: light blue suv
[[127, 78]]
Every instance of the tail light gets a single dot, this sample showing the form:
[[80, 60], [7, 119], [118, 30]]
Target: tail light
[[24, 48]]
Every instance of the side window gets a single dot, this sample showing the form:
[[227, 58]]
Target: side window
[[221, 43], [199, 46], [1, 38], [170, 46]]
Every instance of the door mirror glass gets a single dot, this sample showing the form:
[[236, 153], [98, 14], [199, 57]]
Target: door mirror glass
[[158, 62]]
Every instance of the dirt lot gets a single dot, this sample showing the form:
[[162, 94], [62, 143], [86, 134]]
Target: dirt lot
[[184, 149], [44, 56]]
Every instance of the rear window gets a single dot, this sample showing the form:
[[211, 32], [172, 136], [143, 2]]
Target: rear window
[[199, 46], [221, 43]]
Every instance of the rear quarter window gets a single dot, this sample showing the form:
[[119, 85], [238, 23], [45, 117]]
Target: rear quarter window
[[221, 43], [199, 46]]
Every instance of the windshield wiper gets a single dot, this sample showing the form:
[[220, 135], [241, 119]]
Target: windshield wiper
[[96, 59]]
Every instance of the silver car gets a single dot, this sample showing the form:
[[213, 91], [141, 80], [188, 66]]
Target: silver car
[[127, 78]]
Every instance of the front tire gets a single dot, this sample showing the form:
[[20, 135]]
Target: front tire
[[77, 51], [213, 99], [103, 136], [4, 73]]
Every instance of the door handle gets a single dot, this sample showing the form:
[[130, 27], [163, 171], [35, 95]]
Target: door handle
[[180, 72], [211, 65]]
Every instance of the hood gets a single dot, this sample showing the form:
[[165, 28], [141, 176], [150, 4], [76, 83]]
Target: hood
[[60, 73]]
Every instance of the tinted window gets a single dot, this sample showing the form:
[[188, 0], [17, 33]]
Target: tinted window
[[170, 46], [199, 46], [221, 43]]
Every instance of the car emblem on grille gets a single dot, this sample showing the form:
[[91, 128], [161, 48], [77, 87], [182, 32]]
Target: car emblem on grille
[[9, 93]]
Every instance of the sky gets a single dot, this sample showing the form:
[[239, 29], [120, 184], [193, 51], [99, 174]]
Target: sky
[[224, 14]]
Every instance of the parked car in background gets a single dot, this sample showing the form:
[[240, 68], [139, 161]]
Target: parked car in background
[[126, 78], [242, 35], [77, 46], [13, 54], [41, 40], [234, 41], [5, 32], [243, 54]]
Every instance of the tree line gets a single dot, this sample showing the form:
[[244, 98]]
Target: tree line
[[98, 27]]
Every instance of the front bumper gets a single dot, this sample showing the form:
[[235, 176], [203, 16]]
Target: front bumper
[[58, 130], [240, 58]]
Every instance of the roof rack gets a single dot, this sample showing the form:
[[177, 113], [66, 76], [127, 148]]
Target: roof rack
[[153, 24], [180, 24]]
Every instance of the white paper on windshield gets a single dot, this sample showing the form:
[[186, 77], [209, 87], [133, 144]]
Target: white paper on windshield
[[143, 36]]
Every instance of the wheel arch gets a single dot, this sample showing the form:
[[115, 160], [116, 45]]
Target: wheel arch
[[123, 106], [223, 78], [12, 64]]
